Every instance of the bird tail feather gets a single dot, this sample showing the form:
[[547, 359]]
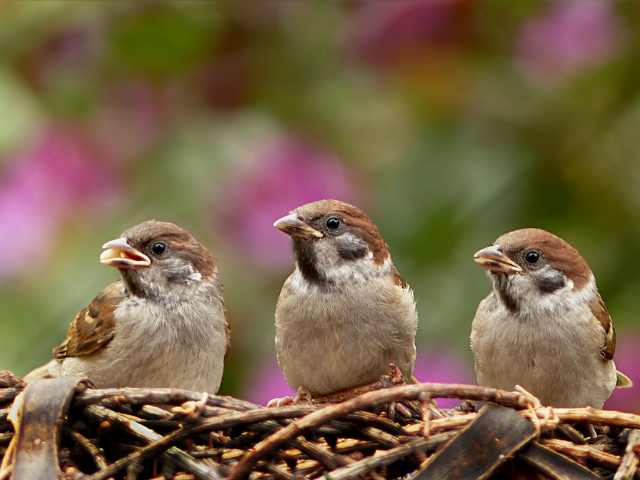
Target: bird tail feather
[[622, 381]]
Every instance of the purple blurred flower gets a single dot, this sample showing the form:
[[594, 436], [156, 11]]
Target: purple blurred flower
[[568, 36], [626, 358], [283, 175], [440, 366], [72, 52], [131, 113], [433, 366], [267, 382], [386, 32], [59, 175]]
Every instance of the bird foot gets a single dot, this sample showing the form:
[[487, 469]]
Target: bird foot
[[467, 406], [302, 396], [192, 410], [393, 377]]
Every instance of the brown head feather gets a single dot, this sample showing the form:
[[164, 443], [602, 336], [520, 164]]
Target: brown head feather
[[565, 258], [354, 218], [558, 253], [177, 238]]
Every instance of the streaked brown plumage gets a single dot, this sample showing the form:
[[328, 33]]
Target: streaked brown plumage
[[161, 325], [544, 326], [345, 313]]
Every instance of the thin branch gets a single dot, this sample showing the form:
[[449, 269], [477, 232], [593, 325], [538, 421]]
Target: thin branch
[[93, 451], [148, 436], [386, 458], [630, 461], [594, 416], [114, 397], [369, 400], [583, 453]]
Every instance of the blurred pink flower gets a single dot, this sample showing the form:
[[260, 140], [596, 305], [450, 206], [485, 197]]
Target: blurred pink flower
[[52, 180], [72, 52], [129, 120], [626, 358], [442, 366], [283, 175], [267, 383], [568, 36], [385, 32], [433, 366]]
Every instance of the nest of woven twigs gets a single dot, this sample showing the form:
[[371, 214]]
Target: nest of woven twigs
[[62, 427]]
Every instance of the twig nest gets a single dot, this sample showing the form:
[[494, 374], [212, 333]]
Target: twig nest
[[64, 428]]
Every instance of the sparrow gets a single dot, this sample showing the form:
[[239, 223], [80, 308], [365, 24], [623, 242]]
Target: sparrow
[[344, 315], [544, 326], [161, 325]]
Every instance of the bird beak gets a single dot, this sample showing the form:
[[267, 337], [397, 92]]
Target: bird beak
[[119, 254], [292, 225], [494, 260]]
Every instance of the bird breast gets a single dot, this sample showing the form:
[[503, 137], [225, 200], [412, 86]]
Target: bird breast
[[332, 339]]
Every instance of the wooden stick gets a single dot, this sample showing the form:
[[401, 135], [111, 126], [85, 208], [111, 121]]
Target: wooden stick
[[113, 397], [90, 448], [147, 435], [368, 464], [595, 416], [583, 453], [369, 400], [630, 461], [216, 423]]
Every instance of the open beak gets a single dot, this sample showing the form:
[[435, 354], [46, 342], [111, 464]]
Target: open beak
[[492, 259], [119, 254], [294, 226]]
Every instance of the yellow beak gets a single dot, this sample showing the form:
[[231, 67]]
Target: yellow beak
[[119, 254], [292, 225], [494, 260]]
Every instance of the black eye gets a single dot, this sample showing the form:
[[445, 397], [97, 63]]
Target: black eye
[[532, 256], [333, 223], [158, 248]]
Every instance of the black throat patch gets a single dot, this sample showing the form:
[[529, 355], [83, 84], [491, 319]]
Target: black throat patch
[[132, 283], [502, 286], [308, 261]]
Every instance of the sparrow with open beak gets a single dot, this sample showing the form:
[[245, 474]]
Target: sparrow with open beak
[[345, 314], [162, 325], [544, 326]]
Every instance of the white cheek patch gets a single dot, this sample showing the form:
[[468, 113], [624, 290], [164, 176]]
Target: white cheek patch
[[326, 253], [337, 270], [533, 302], [181, 270], [195, 276]]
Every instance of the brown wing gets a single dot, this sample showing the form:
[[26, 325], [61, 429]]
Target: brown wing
[[94, 326], [397, 279], [227, 331], [600, 312]]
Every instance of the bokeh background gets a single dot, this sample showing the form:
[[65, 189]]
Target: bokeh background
[[449, 121]]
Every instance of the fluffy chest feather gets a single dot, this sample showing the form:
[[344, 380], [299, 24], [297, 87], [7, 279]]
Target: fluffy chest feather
[[554, 354], [331, 339], [180, 344]]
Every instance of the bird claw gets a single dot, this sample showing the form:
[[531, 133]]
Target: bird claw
[[393, 377], [302, 396], [280, 402], [192, 410], [467, 406]]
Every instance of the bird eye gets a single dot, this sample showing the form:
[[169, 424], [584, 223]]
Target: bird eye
[[532, 256], [333, 223], [158, 248]]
